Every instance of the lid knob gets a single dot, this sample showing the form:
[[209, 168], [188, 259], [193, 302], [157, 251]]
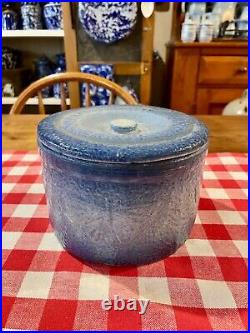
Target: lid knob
[[123, 125]]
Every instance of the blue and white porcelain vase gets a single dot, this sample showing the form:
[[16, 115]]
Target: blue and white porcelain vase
[[52, 12], [43, 68], [31, 16], [60, 68], [9, 18], [108, 22], [99, 95]]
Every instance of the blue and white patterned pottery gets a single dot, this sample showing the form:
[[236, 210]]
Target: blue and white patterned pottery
[[107, 22], [52, 12], [9, 58], [31, 16], [99, 95], [29, 3], [122, 182], [43, 68], [9, 19], [60, 68]]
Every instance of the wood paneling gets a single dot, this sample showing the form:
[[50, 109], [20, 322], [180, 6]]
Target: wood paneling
[[183, 89]]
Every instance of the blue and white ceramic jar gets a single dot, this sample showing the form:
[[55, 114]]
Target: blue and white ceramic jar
[[122, 182], [43, 68], [9, 58], [99, 95], [60, 68], [31, 16], [131, 91], [52, 12], [9, 18], [108, 22]]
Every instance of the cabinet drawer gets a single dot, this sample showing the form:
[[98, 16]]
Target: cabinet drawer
[[223, 70], [213, 100]]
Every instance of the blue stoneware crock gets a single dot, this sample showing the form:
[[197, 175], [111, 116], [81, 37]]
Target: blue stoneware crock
[[9, 18], [31, 16], [60, 68], [43, 67], [52, 12], [122, 182]]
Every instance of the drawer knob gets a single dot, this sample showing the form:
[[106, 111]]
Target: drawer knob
[[242, 69]]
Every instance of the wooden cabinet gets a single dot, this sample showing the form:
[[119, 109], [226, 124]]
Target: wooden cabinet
[[213, 100], [204, 77]]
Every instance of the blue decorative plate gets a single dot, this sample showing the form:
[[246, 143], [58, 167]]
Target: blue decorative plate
[[107, 22]]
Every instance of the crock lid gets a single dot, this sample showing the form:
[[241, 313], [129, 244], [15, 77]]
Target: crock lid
[[122, 134]]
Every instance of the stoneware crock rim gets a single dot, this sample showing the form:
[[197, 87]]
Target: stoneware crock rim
[[188, 137]]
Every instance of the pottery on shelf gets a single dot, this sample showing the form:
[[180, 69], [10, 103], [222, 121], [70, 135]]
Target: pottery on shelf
[[29, 3], [122, 182], [107, 22], [10, 58], [8, 90], [99, 95], [43, 68], [52, 12], [237, 107], [147, 8], [189, 29], [60, 68], [31, 16], [131, 91], [9, 18]]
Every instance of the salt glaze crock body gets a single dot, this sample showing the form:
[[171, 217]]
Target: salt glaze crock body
[[122, 182]]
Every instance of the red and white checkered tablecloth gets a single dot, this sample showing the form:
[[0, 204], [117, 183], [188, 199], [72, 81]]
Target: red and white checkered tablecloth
[[201, 287]]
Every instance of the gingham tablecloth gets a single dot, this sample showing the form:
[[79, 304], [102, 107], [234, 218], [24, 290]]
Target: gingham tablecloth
[[201, 287]]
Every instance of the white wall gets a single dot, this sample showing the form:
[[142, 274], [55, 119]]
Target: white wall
[[163, 23]]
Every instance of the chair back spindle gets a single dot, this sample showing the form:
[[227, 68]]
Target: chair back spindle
[[87, 95], [111, 98], [63, 97], [41, 108]]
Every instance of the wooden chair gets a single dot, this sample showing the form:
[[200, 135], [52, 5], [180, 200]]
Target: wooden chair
[[61, 78]]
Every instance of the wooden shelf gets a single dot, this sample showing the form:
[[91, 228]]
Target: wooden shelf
[[32, 33], [213, 44], [121, 68], [34, 101], [15, 70]]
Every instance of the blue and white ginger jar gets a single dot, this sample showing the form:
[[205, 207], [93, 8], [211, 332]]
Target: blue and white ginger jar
[[9, 18], [52, 12], [31, 16]]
